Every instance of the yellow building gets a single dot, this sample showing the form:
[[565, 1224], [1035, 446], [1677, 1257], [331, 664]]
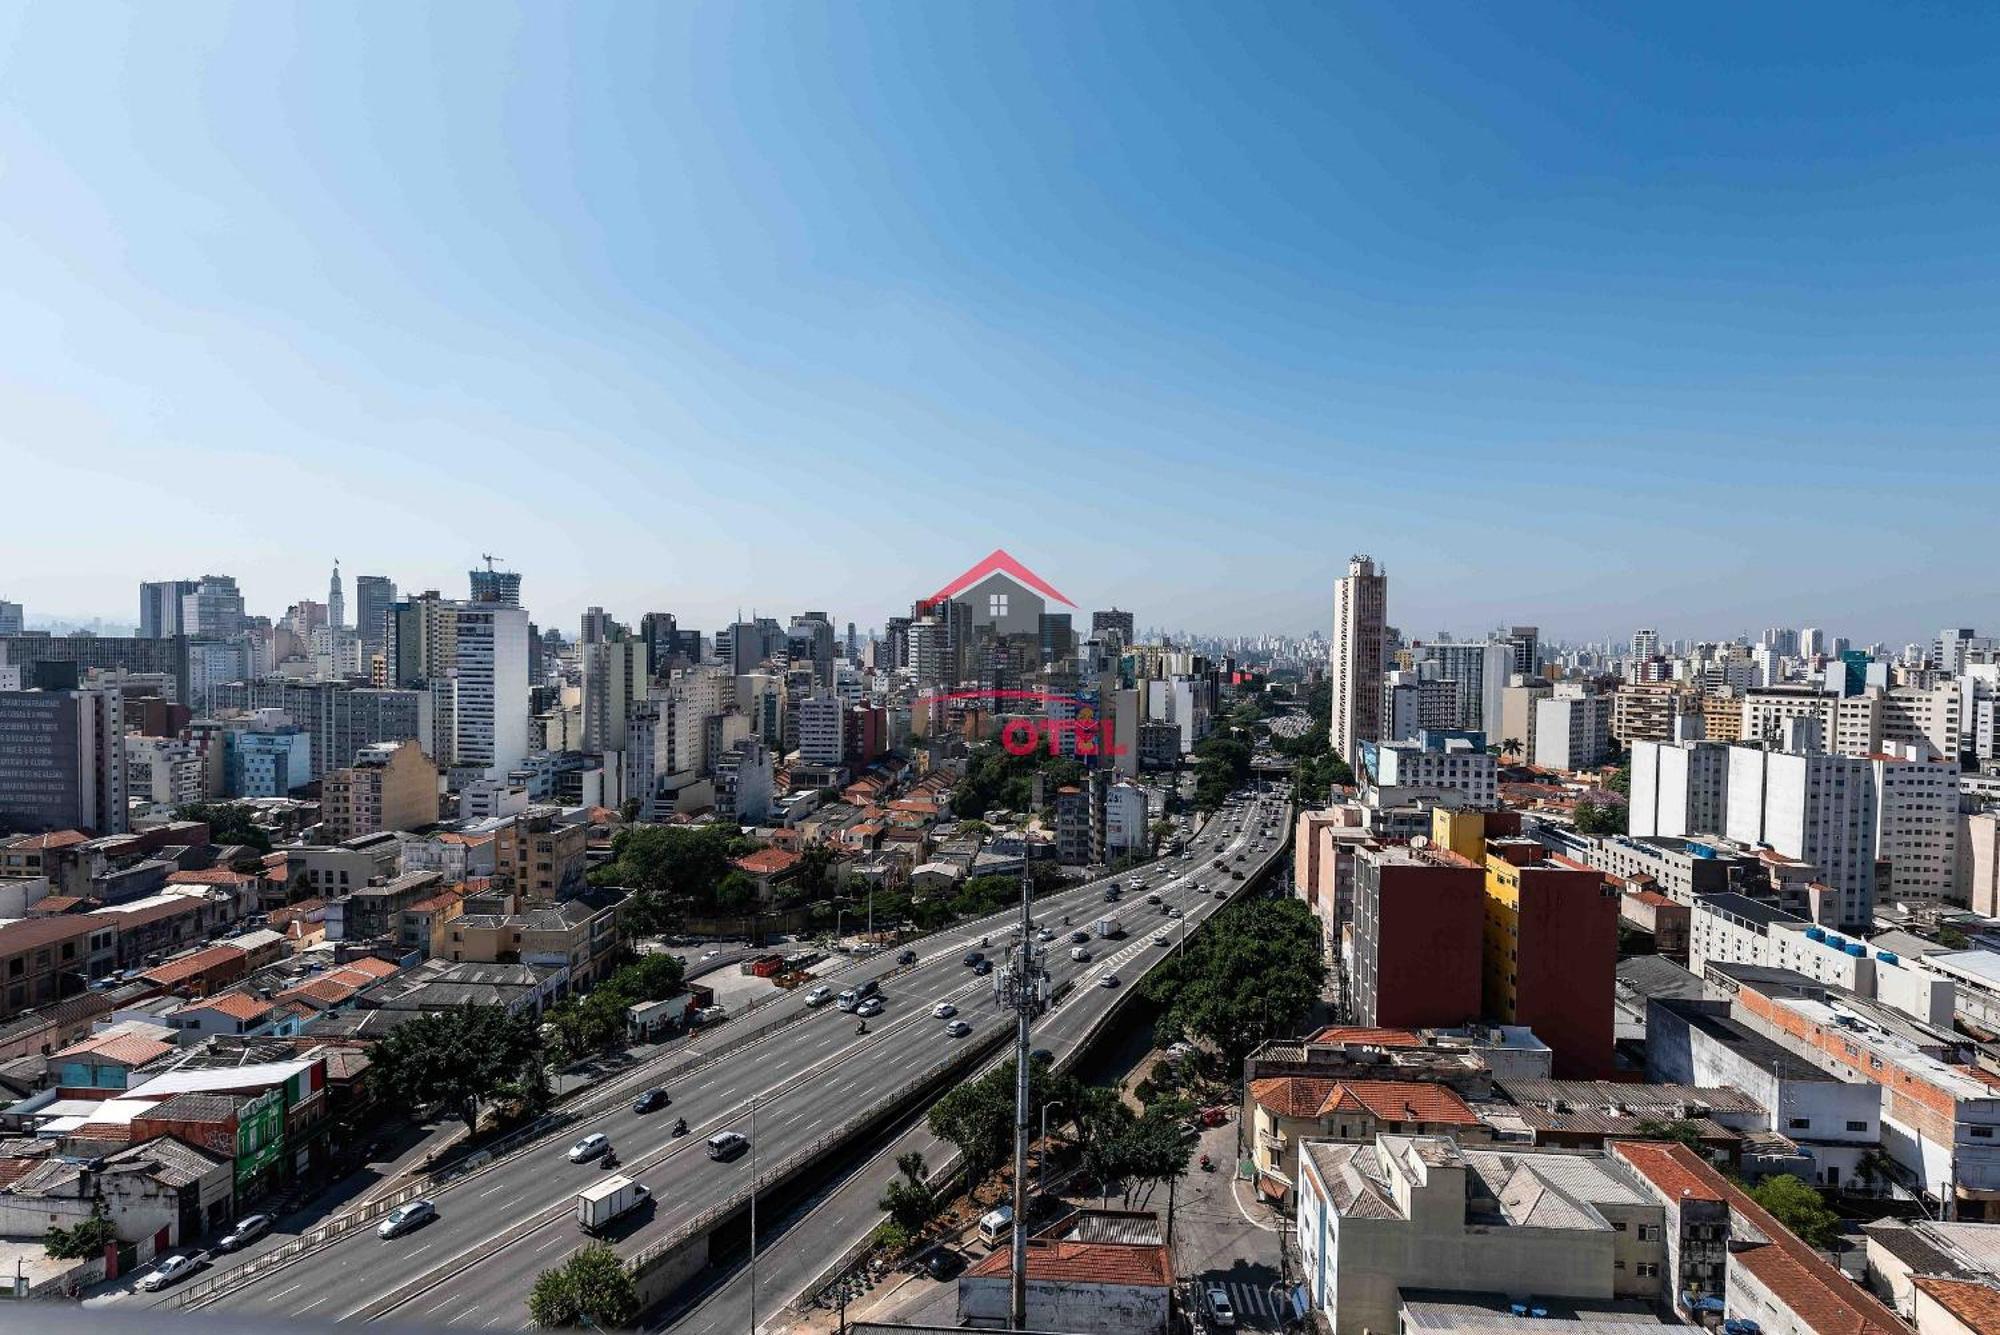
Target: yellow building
[[390, 786]]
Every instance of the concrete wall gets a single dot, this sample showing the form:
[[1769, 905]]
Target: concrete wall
[[987, 1303]]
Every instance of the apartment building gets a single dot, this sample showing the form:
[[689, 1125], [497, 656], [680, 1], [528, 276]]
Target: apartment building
[[577, 935], [1550, 953], [390, 786], [43, 960], [1360, 614], [1440, 763], [1733, 929], [541, 856], [1916, 824], [1290, 1110], [1645, 712], [1419, 914], [62, 757], [1408, 1213], [1572, 729], [1678, 789], [1815, 807], [339, 719]]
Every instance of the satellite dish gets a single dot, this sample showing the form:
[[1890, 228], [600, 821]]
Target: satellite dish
[[1420, 841]]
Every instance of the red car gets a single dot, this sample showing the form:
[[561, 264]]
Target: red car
[[1215, 1116]]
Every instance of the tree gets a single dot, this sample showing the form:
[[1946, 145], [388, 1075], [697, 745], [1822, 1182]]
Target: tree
[[1594, 819], [1510, 746], [629, 809], [978, 1118], [736, 893], [1951, 938], [592, 1288], [455, 1060], [908, 1200], [1793, 1203], [1681, 1132], [228, 823], [668, 861], [816, 862], [1252, 974], [88, 1238]]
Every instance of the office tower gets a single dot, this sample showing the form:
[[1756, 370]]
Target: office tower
[[1419, 915], [1572, 729], [500, 587], [1679, 789], [267, 761], [614, 676], [1481, 670], [339, 718], [1645, 644], [1818, 808], [167, 656], [896, 635], [1527, 642], [421, 644], [490, 732], [1112, 620], [810, 640], [597, 624], [1551, 954], [218, 608], [12, 619], [336, 601], [1058, 640], [743, 783], [1360, 609], [1517, 714], [667, 645], [1812, 642], [165, 608], [374, 595], [853, 653], [62, 755]]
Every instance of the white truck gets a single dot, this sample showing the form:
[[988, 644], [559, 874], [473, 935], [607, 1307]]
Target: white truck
[[1108, 928], [602, 1203]]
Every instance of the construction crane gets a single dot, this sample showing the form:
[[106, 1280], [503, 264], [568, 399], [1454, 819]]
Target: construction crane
[[489, 558]]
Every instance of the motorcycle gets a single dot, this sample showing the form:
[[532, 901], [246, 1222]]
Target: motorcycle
[[1207, 1164], [610, 1159], [681, 1127], [861, 1028]]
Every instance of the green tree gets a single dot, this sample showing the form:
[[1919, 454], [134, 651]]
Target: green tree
[[1951, 938], [1251, 974], [1594, 819], [815, 866], [1681, 1132], [908, 1200], [1793, 1203], [628, 810], [669, 862], [736, 893], [87, 1238], [455, 1060], [592, 1289], [228, 823], [978, 1118]]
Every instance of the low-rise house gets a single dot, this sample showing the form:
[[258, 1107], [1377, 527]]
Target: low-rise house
[[1900, 1250], [105, 1062], [1094, 1272], [1955, 1306], [164, 1190], [224, 1013], [767, 866], [1292, 1109], [199, 972]]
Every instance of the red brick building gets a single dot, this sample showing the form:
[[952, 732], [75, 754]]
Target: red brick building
[[1418, 915]]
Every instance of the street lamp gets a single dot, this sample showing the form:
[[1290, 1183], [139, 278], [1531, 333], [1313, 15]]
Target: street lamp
[[1042, 1168], [753, 1215]]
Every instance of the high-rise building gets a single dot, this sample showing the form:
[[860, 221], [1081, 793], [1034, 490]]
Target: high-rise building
[[62, 756], [1113, 620], [1360, 611], [336, 601], [390, 786], [822, 732], [1679, 790], [1527, 642], [490, 732], [502, 587], [340, 719], [1916, 824], [1419, 917], [374, 595], [1645, 644], [12, 619], [1572, 729], [218, 605], [165, 608], [1813, 642], [614, 675], [1815, 807], [167, 656], [1551, 954], [1480, 669]]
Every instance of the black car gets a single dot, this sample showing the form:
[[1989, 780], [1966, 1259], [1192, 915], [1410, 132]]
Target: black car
[[907, 957], [652, 1100], [973, 959], [941, 1263], [983, 968]]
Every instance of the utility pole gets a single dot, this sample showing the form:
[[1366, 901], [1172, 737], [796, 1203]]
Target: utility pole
[[1021, 985]]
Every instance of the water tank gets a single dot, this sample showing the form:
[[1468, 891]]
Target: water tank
[[1856, 949], [1889, 957], [1815, 933]]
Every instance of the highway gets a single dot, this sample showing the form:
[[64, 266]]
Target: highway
[[475, 1263]]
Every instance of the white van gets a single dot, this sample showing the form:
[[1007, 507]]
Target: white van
[[725, 1143], [996, 1225]]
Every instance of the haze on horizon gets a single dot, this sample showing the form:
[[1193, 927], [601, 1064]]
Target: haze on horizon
[[1569, 316]]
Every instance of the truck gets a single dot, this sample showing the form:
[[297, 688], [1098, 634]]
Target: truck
[[603, 1203], [1109, 928]]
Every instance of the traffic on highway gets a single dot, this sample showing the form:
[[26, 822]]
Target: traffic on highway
[[829, 1065]]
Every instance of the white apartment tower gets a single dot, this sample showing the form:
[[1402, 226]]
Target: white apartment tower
[[1360, 615], [1817, 808], [490, 733], [1678, 789], [1916, 824]]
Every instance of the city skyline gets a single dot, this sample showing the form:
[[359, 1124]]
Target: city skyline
[[1656, 316]]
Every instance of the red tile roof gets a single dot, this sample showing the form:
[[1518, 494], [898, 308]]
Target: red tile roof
[[1384, 1100], [54, 839], [1676, 1175], [1975, 1304], [1375, 1038], [210, 876], [52, 904], [176, 971], [373, 967], [1066, 1262], [767, 862], [327, 991], [125, 1049], [236, 1005], [437, 903]]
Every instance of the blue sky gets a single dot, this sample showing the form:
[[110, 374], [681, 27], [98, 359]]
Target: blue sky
[[1589, 316]]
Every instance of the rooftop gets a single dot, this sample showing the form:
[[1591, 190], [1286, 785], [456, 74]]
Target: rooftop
[[1976, 1304], [1384, 1100], [1068, 1262], [1749, 1045], [236, 1005]]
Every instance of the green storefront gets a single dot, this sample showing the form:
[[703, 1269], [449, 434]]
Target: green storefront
[[260, 1140]]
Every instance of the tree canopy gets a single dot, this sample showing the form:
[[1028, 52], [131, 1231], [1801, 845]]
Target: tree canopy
[[228, 823], [1794, 1203], [996, 778], [455, 1060], [1592, 818], [591, 1289], [596, 1020], [670, 869], [1251, 974]]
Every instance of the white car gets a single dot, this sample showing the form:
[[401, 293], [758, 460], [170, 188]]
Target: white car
[[958, 1029], [590, 1147], [170, 1271], [1079, 954], [944, 1010], [869, 1008], [409, 1215], [1162, 940], [1219, 1305], [819, 996], [248, 1229]]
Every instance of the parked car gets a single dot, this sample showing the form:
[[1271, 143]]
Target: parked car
[[590, 1147], [408, 1215], [941, 1263], [248, 1229], [1219, 1306], [170, 1271], [651, 1100]]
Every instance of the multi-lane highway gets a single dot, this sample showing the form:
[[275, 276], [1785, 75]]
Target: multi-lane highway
[[806, 1079]]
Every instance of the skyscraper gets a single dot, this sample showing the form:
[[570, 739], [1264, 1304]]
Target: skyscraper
[[164, 610], [1527, 642], [1112, 619], [1645, 644], [1360, 609], [12, 619], [374, 595], [491, 728], [336, 601], [495, 586], [63, 765]]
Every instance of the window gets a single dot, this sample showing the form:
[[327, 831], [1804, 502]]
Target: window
[[1857, 1126], [1801, 1124], [996, 604], [1648, 1270], [1642, 1233], [1983, 1132]]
